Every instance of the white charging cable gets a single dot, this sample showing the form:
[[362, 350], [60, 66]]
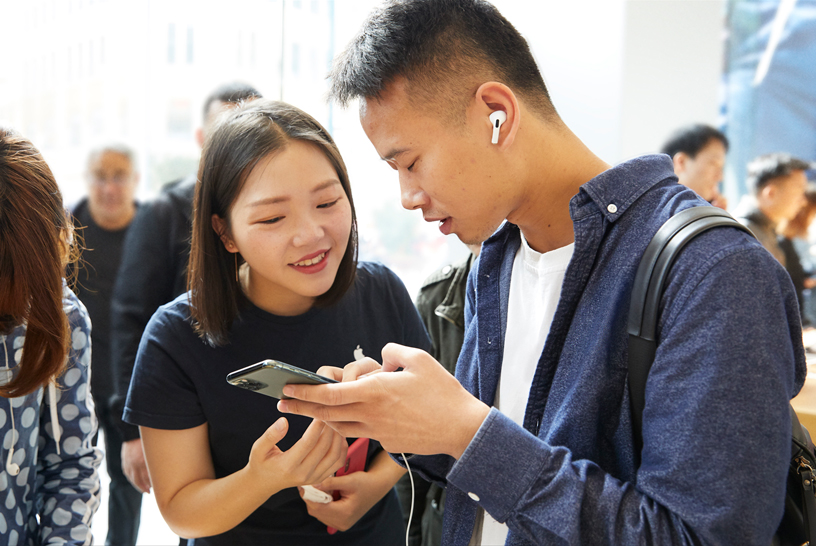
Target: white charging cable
[[413, 492]]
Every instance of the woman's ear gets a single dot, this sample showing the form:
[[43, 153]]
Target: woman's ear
[[219, 225]]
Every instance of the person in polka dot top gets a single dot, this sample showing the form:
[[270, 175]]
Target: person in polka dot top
[[49, 486]]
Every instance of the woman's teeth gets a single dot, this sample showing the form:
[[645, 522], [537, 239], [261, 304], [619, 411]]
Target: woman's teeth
[[312, 261]]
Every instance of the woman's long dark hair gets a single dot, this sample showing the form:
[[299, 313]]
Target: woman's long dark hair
[[34, 235], [235, 145]]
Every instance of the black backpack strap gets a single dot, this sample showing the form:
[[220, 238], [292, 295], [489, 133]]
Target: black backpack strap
[[648, 288]]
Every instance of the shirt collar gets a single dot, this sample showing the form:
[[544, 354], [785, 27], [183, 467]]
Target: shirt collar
[[614, 190]]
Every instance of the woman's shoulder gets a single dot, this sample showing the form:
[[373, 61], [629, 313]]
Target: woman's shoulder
[[175, 311], [74, 309], [378, 281], [377, 272]]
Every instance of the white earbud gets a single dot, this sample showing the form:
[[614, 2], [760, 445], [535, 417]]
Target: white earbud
[[496, 119]]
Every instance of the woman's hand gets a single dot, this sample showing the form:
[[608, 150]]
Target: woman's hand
[[191, 498], [359, 491], [313, 458]]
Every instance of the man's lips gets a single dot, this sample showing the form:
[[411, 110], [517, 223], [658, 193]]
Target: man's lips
[[444, 224]]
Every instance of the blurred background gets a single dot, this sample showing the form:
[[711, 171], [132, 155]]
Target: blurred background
[[623, 74]]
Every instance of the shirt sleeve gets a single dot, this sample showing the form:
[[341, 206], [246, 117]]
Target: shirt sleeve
[[716, 428], [68, 488], [162, 393]]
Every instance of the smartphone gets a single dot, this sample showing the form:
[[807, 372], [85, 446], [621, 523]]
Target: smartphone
[[270, 376]]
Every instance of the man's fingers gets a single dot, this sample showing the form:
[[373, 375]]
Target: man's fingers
[[397, 356], [328, 395]]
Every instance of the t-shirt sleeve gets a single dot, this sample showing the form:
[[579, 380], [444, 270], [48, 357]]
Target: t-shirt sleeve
[[162, 391]]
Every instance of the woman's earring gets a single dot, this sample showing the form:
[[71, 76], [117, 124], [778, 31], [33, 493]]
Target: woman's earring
[[238, 280]]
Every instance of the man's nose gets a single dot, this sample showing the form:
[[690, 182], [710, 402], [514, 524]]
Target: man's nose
[[412, 197]]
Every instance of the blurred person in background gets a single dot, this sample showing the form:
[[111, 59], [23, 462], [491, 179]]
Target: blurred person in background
[[48, 464], [102, 219], [153, 272], [777, 182], [698, 154], [795, 245]]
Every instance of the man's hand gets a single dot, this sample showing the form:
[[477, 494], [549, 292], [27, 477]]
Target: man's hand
[[422, 409], [134, 466]]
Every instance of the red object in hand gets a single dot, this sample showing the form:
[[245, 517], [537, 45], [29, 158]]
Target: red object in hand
[[355, 462]]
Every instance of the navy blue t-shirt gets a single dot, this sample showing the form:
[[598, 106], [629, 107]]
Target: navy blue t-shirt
[[179, 382]]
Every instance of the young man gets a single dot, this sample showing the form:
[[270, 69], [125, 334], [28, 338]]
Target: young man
[[777, 182], [553, 461], [104, 217], [698, 154]]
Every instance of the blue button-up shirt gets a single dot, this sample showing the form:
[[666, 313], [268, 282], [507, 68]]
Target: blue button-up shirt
[[716, 428]]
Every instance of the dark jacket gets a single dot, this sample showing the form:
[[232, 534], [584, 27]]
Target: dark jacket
[[153, 272], [764, 230]]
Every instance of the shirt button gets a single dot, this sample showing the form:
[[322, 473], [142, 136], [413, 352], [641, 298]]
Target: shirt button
[[613, 208], [474, 496], [446, 269]]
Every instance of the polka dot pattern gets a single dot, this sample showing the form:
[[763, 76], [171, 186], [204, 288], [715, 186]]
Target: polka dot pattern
[[66, 484]]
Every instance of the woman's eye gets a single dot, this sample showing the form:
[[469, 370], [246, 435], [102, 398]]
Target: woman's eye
[[327, 205], [411, 166], [274, 220]]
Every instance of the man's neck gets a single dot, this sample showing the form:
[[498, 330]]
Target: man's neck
[[559, 163]]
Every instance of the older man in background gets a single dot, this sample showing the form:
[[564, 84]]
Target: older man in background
[[103, 219]]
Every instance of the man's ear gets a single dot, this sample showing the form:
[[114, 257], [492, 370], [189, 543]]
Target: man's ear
[[493, 96], [768, 192], [680, 161], [219, 225]]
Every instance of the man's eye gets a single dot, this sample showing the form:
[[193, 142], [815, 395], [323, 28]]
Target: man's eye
[[327, 205], [411, 166]]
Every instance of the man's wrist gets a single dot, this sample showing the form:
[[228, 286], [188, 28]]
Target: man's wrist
[[470, 422]]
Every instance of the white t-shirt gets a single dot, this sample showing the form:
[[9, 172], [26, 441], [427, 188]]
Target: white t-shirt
[[535, 288]]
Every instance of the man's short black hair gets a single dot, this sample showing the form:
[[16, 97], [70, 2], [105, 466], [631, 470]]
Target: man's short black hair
[[229, 92], [766, 168], [440, 47], [691, 139]]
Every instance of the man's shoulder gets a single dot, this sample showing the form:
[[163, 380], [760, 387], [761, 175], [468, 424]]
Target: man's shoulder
[[444, 276]]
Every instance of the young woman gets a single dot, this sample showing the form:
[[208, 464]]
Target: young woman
[[273, 274], [48, 481]]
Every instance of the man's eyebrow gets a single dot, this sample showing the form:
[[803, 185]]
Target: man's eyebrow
[[282, 199], [394, 153]]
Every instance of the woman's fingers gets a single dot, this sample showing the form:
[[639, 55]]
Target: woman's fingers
[[331, 372]]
